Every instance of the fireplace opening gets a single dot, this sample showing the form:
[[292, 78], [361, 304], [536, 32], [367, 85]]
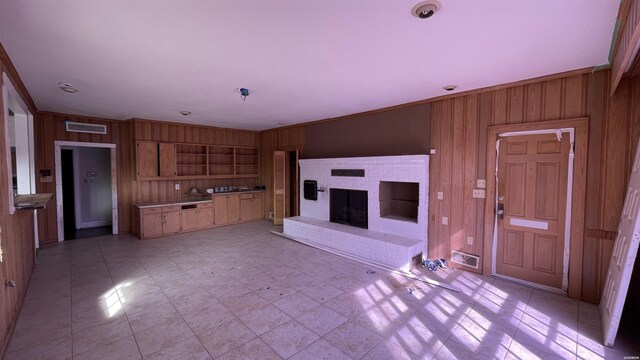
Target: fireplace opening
[[399, 200], [349, 207]]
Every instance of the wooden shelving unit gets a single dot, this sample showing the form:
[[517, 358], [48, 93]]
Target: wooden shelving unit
[[247, 161], [191, 160], [221, 160]]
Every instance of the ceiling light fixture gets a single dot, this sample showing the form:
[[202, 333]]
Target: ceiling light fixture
[[66, 87], [425, 9], [185, 113], [282, 123], [244, 92], [450, 87]]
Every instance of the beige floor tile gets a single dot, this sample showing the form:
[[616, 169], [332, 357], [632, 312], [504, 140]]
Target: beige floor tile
[[54, 349], [349, 304], [418, 340], [353, 339], [162, 336], [123, 349], [251, 350], [225, 337], [100, 335], [321, 320], [245, 304], [321, 292], [264, 318], [321, 349], [153, 316], [389, 350], [214, 315], [296, 304], [289, 338], [190, 348]]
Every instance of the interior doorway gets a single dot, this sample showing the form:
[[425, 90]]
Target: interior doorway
[[292, 195], [86, 189]]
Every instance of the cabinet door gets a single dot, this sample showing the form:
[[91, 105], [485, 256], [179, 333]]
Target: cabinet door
[[246, 205], [167, 159], [151, 225], [147, 158], [172, 222], [220, 209], [233, 208], [256, 208], [189, 219], [205, 218]]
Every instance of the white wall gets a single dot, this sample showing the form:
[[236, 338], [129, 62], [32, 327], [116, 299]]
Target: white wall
[[93, 194], [409, 168]]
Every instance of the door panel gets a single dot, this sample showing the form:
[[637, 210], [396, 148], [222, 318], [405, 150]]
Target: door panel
[[623, 258], [279, 183], [532, 186]]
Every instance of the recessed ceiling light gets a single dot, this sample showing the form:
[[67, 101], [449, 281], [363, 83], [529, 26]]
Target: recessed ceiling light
[[425, 9], [66, 87], [185, 113], [282, 123], [450, 87]]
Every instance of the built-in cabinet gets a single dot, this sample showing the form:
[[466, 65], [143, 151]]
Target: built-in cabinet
[[223, 209], [227, 208], [159, 221], [158, 160]]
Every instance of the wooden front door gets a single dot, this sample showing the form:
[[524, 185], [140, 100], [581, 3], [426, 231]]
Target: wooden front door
[[531, 208]]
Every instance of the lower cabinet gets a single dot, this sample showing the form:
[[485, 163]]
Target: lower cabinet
[[160, 221], [251, 207], [224, 209]]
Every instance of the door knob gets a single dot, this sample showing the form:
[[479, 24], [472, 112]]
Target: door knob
[[500, 211]]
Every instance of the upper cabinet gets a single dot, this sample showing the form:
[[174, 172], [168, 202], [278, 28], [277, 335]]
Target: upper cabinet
[[158, 160]]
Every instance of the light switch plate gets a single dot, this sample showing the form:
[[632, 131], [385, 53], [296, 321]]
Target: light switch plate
[[432, 151], [481, 183], [445, 220], [177, 186], [440, 195], [479, 193], [469, 240]]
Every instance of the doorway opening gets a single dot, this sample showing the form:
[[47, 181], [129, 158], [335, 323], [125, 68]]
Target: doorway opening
[[86, 192], [293, 185]]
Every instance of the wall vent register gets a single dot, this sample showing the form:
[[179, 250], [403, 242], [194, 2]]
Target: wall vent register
[[348, 172]]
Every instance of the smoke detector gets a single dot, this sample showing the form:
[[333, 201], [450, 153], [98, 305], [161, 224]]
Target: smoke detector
[[425, 9]]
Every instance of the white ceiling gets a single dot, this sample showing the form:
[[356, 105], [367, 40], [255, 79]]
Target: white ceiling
[[302, 60]]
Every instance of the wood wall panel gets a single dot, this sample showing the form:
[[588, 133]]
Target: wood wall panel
[[614, 129], [50, 127], [16, 230]]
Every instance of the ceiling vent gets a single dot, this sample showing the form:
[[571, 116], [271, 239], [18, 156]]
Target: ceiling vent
[[85, 128]]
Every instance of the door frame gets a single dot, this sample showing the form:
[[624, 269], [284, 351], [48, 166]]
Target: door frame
[[578, 194], [58, 170]]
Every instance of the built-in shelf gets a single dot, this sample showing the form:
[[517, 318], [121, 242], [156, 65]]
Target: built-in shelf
[[399, 200]]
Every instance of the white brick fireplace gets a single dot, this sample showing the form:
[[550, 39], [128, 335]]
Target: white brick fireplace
[[397, 200]]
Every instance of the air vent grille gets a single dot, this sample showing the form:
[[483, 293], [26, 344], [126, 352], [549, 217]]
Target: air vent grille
[[86, 128], [465, 259]]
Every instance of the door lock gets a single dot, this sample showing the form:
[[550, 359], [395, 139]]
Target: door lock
[[500, 211]]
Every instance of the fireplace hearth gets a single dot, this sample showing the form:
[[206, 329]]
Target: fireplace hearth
[[349, 207]]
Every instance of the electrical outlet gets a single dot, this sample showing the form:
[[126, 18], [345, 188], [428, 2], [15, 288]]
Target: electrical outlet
[[177, 186], [479, 193], [432, 151], [440, 195], [445, 220], [481, 183], [469, 240]]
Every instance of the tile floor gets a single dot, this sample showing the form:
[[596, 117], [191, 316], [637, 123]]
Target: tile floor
[[239, 292]]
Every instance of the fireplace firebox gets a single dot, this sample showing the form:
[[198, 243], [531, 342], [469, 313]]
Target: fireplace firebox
[[349, 207]]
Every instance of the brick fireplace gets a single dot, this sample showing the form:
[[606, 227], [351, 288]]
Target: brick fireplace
[[374, 208]]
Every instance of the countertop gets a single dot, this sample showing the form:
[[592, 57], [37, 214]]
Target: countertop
[[205, 199], [31, 201]]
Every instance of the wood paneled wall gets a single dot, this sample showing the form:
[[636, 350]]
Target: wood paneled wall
[[16, 231], [50, 127], [458, 133]]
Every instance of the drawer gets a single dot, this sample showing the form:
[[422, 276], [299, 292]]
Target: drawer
[[246, 196], [205, 205], [171, 208], [153, 210]]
